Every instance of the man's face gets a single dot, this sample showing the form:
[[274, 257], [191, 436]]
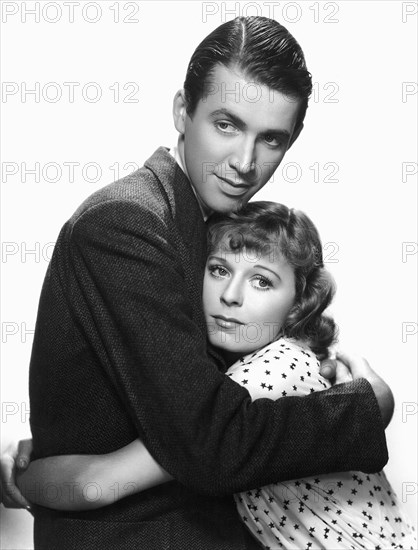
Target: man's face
[[236, 138]]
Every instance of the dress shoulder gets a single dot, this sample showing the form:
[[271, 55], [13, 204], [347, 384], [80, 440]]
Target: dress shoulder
[[283, 367]]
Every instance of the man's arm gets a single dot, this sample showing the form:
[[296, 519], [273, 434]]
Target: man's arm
[[130, 469], [200, 426], [358, 367], [119, 474], [113, 476]]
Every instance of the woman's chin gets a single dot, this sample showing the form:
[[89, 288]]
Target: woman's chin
[[231, 354]]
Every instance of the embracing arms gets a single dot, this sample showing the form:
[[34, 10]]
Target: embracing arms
[[131, 288], [199, 425], [85, 482]]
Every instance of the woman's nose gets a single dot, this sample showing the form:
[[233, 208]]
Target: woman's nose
[[232, 294]]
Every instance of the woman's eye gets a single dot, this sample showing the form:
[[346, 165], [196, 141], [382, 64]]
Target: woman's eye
[[262, 283], [218, 271]]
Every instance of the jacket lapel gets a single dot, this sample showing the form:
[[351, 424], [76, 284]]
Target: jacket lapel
[[182, 201], [192, 229]]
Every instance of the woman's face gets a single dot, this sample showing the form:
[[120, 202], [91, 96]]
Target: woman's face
[[246, 298]]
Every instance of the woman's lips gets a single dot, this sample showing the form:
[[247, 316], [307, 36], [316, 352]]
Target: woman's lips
[[227, 323]]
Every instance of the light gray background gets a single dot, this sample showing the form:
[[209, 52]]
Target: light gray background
[[361, 121]]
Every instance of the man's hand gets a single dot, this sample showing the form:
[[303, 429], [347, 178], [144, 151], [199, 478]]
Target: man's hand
[[328, 368], [15, 457], [335, 371], [360, 368]]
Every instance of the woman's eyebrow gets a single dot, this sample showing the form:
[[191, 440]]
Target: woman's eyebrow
[[267, 269], [218, 259]]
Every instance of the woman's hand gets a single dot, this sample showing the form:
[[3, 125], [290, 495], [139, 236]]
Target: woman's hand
[[14, 459]]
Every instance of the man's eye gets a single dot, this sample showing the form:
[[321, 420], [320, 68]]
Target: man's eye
[[225, 127], [273, 140]]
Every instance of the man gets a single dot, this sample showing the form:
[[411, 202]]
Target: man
[[120, 346]]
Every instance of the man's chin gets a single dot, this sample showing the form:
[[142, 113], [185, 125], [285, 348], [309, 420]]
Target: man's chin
[[228, 207]]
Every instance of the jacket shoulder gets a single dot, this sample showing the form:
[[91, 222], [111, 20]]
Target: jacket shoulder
[[139, 190]]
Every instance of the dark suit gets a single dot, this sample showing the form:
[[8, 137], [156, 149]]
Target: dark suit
[[120, 352]]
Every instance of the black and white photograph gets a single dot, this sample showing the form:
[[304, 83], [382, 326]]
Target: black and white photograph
[[209, 275]]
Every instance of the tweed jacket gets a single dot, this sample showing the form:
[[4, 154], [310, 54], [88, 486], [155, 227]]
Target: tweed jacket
[[120, 352]]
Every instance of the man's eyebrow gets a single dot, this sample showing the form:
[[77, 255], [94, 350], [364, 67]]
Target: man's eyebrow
[[284, 134], [230, 115]]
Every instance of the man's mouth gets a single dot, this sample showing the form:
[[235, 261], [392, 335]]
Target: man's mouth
[[234, 188]]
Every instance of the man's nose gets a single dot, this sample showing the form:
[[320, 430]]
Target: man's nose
[[232, 294], [243, 158]]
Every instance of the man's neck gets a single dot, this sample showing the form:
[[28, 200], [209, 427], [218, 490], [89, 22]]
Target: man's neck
[[178, 154]]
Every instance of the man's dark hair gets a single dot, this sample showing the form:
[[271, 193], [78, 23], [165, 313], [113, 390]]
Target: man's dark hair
[[262, 49]]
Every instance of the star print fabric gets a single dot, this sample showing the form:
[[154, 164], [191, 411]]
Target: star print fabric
[[347, 510]]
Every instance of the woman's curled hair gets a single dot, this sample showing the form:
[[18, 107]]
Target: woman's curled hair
[[269, 228]]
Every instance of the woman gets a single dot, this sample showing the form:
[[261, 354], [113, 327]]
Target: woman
[[265, 290]]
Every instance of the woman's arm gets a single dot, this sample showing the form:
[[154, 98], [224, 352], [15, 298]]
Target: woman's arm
[[86, 482]]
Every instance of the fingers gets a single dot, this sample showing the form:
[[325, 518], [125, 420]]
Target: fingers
[[11, 497], [328, 368], [343, 373], [24, 450], [358, 366]]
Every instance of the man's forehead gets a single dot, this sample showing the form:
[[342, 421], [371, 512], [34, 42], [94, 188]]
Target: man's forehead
[[231, 92], [232, 84]]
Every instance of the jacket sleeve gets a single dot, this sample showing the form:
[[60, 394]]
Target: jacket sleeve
[[198, 424]]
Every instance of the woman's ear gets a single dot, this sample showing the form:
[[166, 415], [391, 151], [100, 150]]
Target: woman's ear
[[179, 111]]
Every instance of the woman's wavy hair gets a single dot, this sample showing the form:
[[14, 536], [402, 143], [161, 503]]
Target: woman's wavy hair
[[262, 49], [268, 228]]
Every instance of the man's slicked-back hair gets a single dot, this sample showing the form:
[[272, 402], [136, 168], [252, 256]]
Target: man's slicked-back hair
[[262, 49]]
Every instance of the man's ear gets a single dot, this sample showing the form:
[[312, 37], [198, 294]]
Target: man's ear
[[295, 135], [179, 111]]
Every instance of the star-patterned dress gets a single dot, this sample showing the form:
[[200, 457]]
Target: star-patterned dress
[[347, 510]]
